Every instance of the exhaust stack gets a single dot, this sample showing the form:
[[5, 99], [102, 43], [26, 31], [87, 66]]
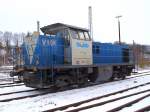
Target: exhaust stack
[[38, 27], [90, 22]]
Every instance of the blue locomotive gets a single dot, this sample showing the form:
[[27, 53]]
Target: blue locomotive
[[66, 55]]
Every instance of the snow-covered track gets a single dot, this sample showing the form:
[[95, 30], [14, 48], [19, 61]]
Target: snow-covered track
[[127, 78], [131, 102], [57, 99], [11, 85], [6, 79], [6, 83], [38, 93], [17, 92], [139, 74], [144, 109], [5, 70], [34, 95], [77, 105], [112, 100]]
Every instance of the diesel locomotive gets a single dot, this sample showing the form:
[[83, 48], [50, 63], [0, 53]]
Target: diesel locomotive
[[66, 55]]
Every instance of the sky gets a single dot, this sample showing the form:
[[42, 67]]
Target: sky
[[22, 15]]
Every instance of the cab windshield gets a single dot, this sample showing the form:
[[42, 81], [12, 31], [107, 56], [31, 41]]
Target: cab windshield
[[80, 35]]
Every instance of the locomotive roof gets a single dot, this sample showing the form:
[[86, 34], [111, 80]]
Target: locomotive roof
[[57, 26]]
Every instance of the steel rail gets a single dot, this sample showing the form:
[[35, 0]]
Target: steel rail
[[17, 92], [95, 98], [131, 103], [111, 100], [11, 85], [22, 97], [7, 83], [144, 109]]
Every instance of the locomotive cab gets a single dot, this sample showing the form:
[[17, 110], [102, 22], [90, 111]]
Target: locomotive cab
[[77, 43]]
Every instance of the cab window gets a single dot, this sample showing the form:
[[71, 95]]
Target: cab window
[[67, 38], [81, 35], [86, 36], [74, 34]]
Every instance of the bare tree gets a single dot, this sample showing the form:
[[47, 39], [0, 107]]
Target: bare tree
[[15, 39], [1, 36], [7, 38], [18, 38]]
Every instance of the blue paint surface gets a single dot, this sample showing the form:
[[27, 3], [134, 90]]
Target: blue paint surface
[[108, 53], [49, 50]]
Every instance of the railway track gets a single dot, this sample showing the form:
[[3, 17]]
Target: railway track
[[138, 74], [144, 109], [133, 102], [11, 85], [7, 79], [43, 93], [9, 96], [31, 92], [14, 84], [23, 91], [127, 78], [82, 105], [46, 92], [5, 70], [7, 83]]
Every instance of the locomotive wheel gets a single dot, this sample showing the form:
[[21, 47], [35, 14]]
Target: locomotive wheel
[[62, 81], [118, 76], [114, 76], [82, 80], [93, 77], [123, 76], [124, 72]]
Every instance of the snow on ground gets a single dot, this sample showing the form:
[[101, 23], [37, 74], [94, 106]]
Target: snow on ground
[[7, 67], [117, 96], [14, 89], [3, 97], [115, 104], [5, 78], [144, 69], [5, 74], [137, 106], [62, 98]]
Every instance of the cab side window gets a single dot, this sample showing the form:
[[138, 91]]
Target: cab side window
[[74, 34], [67, 38], [81, 35], [87, 37]]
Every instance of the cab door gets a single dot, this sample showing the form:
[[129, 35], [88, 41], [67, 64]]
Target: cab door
[[67, 48], [81, 48]]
